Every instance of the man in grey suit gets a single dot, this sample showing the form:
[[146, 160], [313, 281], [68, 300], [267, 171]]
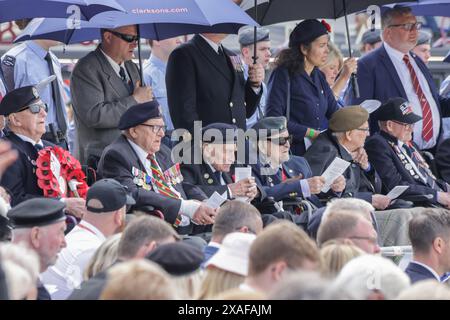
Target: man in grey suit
[[105, 83]]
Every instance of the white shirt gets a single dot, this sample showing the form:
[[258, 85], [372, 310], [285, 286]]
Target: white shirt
[[67, 273], [28, 139], [434, 273], [116, 67], [213, 45], [405, 77]]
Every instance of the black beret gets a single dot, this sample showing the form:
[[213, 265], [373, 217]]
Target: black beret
[[139, 113], [37, 212], [348, 118], [177, 258], [220, 133], [306, 31], [397, 109], [371, 37], [247, 35], [107, 195], [265, 126], [18, 99]]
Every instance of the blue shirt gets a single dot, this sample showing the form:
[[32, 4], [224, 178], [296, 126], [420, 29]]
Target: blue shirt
[[155, 76], [26, 65], [262, 103]]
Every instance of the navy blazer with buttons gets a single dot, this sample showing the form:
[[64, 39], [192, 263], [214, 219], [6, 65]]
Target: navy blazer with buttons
[[416, 272]]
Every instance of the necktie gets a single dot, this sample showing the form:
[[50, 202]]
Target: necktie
[[160, 181], [38, 147], [218, 175], [222, 54], [427, 124], [57, 99], [125, 80]]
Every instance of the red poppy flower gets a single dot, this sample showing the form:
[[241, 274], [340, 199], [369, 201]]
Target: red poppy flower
[[326, 25]]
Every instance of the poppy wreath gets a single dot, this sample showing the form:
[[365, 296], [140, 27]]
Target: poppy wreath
[[70, 170]]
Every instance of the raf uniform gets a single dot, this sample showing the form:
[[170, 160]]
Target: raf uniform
[[123, 161], [38, 212], [27, 64], [206, 82], [399, 163], [20, 178]]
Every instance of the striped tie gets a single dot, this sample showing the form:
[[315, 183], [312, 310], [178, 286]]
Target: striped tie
[[427, 124], [159, 180]]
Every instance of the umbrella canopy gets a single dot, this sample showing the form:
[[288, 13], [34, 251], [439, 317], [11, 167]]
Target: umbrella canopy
[[21, 9], [429, 7]]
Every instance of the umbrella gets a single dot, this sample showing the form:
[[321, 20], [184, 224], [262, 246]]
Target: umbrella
[[428, 7], [156, 19], [20, 9], [275, 11]]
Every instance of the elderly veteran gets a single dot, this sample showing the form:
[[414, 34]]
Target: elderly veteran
[[397, 158], [39, 223], [139, 161], [370, 40], [345, 140], [218, 149], [284, 176], [423, 46], [25, 113]]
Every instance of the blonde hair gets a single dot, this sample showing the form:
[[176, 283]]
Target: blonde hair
[[138, 280], [217, 281], [334, 53], [238, 294], [335, 256], [188, 286], [426, 290], [104, 257]]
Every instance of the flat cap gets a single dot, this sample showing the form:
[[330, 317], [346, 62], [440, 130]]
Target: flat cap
[[107, 195], [423, 38], [397, 109], [139, 113], [371, 37], [177, 258], [37, 212], [246, 35], [307, 31], [348, 118], [18, 99], [219, 133], [270, 125]]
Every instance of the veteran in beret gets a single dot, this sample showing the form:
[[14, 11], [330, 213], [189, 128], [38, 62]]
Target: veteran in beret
[[423, 46], [285, 176], [39, 223], [138, 161], [345, 138], [398, 159], [370, 40], [298, 90], [25, 113]]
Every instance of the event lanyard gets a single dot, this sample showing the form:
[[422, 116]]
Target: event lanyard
[[86, 228]]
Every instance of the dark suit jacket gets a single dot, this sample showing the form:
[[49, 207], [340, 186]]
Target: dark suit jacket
[[99, 99], [378, 79], [90, 289], [20, 179], [418, 273], [391, 169], [200, 86], [117, 161], [443, 160], [359, 184]]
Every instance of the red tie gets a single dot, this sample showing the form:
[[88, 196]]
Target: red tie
[[427, 124]]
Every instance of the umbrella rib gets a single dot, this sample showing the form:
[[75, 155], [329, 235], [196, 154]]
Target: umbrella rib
[[265, 13]]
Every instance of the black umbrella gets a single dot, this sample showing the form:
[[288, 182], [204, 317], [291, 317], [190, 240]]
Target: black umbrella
[[267, 12]]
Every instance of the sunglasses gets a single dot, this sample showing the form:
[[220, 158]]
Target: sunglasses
[[125, 37], [35, 108], [281, 140]]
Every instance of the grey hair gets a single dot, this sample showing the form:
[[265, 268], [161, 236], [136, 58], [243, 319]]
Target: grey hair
[[391, 13], [300, 285], [350, 205]]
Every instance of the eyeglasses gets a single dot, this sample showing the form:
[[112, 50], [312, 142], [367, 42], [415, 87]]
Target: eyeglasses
[[281, 140], [363, 129], [36, 108], [155, 128], [125, 37], [406, 125], [408, 26]]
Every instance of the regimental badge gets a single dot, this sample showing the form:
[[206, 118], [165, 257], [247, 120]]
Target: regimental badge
[[210, 181], [408, 166], [237, 63], [206, 175], [173, 174]]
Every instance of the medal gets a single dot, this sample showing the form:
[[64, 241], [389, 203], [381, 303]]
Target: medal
[[408, 166], [206, 176], [210, 181]]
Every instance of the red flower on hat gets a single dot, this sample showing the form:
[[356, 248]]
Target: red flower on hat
[[326, 25], [55, 184]]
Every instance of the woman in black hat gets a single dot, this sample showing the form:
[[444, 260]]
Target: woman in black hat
[[298, 89]]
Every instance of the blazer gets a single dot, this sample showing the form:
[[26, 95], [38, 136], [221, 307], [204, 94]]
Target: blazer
[[118, 161], [99, 99], [202, 86], [416, 273]]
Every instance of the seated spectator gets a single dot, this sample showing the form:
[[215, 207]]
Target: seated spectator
[[426, 290], [282, 247], [430, 235], [301, 285], [138, 280], [228, 268], [104, 257], [233, 216], [349, 227], [335, 255], [397, 158], [369, 277]]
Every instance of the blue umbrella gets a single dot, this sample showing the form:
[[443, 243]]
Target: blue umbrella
[[20, 9], [429, 7]]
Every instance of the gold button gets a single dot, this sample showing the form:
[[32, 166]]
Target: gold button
[[231, 104], [234, 120]]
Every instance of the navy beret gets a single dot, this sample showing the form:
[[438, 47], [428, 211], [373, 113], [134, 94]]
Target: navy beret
[[306, 31], [371, 37], [268, 124], [177, 258], [18, 99], [139, 113], [246, 35], [220, 133], [37, 212], [397, 109]]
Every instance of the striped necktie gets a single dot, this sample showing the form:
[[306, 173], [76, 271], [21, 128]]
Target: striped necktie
[[159, 181]]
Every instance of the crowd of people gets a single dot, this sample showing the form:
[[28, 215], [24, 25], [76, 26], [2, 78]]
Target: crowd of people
[[219, 175]]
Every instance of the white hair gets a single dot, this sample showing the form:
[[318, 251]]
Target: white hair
[[367, 274], [348, 204]]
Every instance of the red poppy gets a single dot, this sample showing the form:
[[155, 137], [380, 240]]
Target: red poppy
[[326, 25]]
